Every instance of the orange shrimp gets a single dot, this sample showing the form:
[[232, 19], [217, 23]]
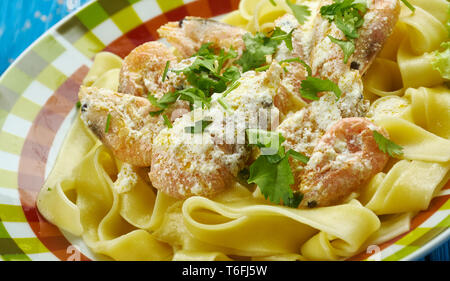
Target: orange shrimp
[[131, 128], [344, 158], [189, 34], [143, 69]]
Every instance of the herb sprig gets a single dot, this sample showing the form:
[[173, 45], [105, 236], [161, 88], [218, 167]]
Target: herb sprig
[[387, 146], [348, 15], [258, 46], [206, 75], [272, 173], [301, 12]]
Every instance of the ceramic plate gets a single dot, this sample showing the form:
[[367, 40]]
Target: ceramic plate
[[38, 94]]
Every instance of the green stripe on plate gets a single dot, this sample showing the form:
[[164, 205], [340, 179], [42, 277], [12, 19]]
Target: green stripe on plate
[[31, 245], [407, 250], [126, 19], [11, 143], [412, 236], [92, 15], [169, 5], [112, 7], [9, 250], [12, 213], [49, 49], [26, 109], [8, 179], [3, 114], [89, 45], [16, 80], [51, 77]]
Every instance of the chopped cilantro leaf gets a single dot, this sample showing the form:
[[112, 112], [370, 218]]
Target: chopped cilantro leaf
[[256, 48], [348, 47], [348, 15], [387, 146], [280, 35], [311, 86], [301, 12], [272, 172]]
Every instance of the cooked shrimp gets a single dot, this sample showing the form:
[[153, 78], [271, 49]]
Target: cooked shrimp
[[345, 157], [327, 57], [189, 34], [131, 128], [143, 68], [379, 22], [186, 164]]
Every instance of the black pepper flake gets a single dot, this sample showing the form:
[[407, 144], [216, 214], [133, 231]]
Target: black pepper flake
[[312, 204], [354, 65], [180, 23], [84, 107]]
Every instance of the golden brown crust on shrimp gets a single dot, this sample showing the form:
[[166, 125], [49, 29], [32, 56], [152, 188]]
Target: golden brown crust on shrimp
[[143, 69], [345, 157], [379, 22], [131, 128], [189, 34]]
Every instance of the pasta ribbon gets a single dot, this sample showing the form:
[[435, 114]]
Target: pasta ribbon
[[407, 187], [418, 144]]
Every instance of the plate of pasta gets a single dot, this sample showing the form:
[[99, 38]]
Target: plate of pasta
[[259, 130]]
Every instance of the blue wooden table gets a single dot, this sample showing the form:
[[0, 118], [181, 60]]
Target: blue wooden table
[[23, 21]]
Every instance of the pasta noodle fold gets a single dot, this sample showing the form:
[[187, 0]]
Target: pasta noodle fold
[[91, 194]]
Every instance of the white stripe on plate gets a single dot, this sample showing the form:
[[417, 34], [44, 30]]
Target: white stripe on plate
[[16, 126], [19, 229], [444, 192], [147, 10], [43, 257], [436, 218], [107, 32], [9, 196], [390, 250], [8, 161], [70, 48], [37, 93], [68, 62]]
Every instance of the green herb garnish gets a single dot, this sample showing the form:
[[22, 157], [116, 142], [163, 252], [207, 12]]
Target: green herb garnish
[[108, 123], [348, 47], [78, 104], [348, 15], [407, 4], [167, 121], [387, 146], [311, 86], [166, 69], [273, 3], [301, 12], [272, 173], [231, 88], [198, 128], [308, 68]]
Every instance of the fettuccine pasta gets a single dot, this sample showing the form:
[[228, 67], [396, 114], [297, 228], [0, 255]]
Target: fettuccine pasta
[[87, 194]]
